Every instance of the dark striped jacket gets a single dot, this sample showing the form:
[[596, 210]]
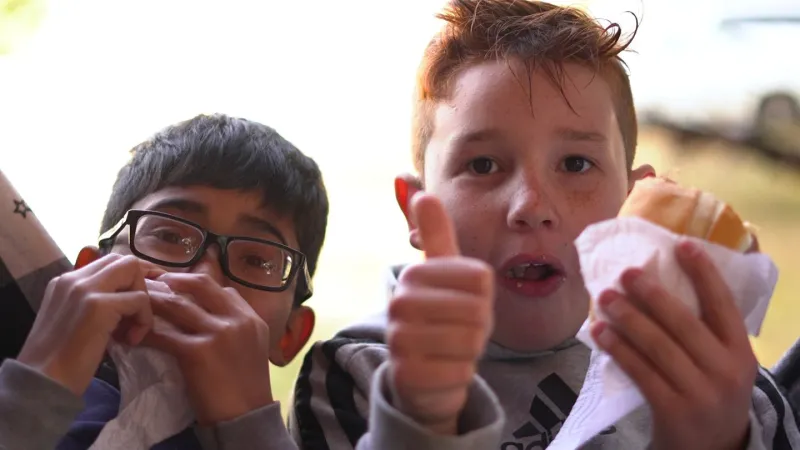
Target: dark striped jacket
[[335, 404]]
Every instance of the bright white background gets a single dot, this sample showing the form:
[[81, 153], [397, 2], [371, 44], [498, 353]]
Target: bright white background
[[335, 78]]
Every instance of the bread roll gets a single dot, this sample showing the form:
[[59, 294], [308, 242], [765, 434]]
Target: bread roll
[[685, 211], [688, 212]]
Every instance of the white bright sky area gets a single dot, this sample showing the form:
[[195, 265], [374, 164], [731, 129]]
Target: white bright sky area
[[335, 78]]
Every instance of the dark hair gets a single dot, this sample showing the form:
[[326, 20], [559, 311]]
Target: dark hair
[[544, 36], [228, 153]]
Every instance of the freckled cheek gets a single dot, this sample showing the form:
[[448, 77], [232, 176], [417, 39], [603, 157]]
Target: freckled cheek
[[475, 230], [583, 207]]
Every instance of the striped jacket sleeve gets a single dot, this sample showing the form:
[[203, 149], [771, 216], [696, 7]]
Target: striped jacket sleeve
[[342, 383], [331, 397], [787, 374], [773, 422]]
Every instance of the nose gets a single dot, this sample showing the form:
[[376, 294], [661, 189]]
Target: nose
[[209, 264], [530, 207]]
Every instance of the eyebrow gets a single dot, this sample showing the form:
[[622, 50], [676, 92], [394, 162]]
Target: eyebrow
[[181, 204], [483, 135], [494, 134], [260, 224], [572, 134], [192, 206]]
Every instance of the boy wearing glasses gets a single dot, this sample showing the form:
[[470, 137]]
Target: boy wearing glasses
[[232, 218]]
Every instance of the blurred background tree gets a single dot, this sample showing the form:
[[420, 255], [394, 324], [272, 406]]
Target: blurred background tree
[[19, 19]]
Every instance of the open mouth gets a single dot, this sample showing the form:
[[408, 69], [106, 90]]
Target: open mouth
[[532, 271]]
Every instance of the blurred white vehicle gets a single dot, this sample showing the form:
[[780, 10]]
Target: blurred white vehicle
[[728, 66]]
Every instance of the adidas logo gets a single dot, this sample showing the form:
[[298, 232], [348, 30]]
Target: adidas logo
[[549, 408]]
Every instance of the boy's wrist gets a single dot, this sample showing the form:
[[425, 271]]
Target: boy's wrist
[[56, 372], [444, 426], [228, 409], [447, 427]]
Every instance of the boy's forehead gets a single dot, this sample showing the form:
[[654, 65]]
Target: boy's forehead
[[224, 211], [495, 99], [508, 86]]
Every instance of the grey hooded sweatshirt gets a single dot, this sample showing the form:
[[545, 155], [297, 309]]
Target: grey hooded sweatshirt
[[518, 401]]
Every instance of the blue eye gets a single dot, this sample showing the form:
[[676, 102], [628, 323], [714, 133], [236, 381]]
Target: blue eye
[[482, 166], [576, 164]]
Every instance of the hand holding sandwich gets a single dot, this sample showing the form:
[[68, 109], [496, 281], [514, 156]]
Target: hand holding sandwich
[[696, 373]]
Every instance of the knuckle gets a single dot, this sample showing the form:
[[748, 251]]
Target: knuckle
[[197, 349], [109, 258], [252, 325], [202, 278], [92, 306], [79, 289], [230, 291], [197, 279], [412, 273], [395, 337], [227, 328], [239, 330], [128, 261], [624, 315], [401, 303], [59, 283]]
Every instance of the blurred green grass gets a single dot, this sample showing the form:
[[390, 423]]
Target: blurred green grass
[[763, 193]]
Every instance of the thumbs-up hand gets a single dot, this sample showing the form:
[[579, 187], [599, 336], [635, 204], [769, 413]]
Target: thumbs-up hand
[[440, 318]]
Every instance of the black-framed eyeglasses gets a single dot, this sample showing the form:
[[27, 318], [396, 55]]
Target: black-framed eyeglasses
[[172, 241]]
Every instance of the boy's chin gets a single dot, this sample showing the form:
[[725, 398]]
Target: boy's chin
[[533, 328]]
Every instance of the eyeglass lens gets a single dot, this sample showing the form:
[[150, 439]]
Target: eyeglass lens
[[176, 242]]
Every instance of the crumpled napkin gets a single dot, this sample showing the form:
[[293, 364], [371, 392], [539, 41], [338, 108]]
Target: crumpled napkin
[[609, 248], [154, 405]]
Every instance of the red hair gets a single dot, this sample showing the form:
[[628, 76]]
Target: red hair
[[544, 36]]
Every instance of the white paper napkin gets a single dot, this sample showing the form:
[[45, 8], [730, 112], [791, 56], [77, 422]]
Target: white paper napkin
[[154, 405], [608, 249]]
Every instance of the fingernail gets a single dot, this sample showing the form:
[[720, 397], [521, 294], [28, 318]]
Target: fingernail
[[610, 304], [689, 249], [603, 335]]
